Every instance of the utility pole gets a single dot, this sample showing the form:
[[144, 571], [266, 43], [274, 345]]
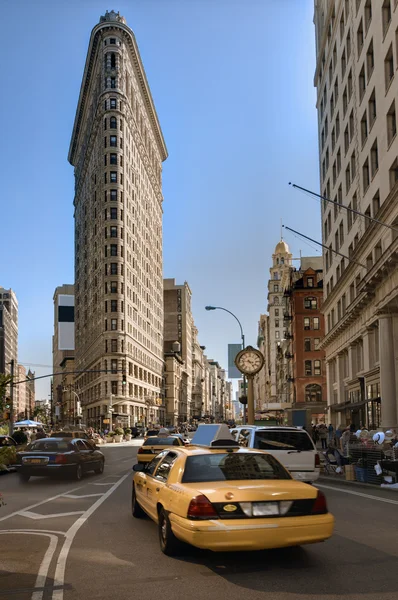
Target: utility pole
[[51, 404], [110, 412], [11, 426]]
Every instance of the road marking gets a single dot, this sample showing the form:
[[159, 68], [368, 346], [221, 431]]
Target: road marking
[[32, 531], [83, 496], [45, 563], [103, 483], [59, 576], [369, 496], [36, 516], [40, 503]]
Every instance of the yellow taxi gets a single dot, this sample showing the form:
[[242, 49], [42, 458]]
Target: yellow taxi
[[154, 445], [218, 496]]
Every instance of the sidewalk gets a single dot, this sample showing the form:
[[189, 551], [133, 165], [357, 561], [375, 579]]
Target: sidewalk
[[340, 480]]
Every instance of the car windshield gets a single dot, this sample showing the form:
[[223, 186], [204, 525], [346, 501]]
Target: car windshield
[[232, 466], [165, 441], [152, 432], [49, 445], [274, 439]]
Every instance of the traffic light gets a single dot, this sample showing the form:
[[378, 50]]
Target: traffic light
[[124, 378]]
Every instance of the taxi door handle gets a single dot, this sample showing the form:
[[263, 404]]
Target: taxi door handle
[[157, 489]]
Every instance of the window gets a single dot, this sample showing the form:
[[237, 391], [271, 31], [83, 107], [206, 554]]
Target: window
[[313, 393], [308, 367], [368, 14], [317, 367], [114, 387], [112, 103], [362, 83], [113, 123], [113, 141], [346, 140], [372, 109], [316, 322], [376, 203], [311, 303], [113, 232], [310, 282], [364, 128], [276, 301], [370, 60], [386, 15], [393, 174], [112, 41], [360, 37], [113, 177], [307, 323], [114, 365], [374, 159], [113, 83], [316, 343], [113, 346], [113, 324], [277, 323], [277, 335], [113, 249], [341, 233], [113, 269], [113, 287], [113, 213], [391, 123], [113, 196], [113, 305], [277, 312], [365, 175], [163, 470], [389, 67], [307, 345], [112, 159], [276, 288]]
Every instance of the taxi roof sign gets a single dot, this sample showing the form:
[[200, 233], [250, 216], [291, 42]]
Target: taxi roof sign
[[214, 436]]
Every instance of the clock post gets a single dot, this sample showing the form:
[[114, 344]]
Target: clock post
[[249, 362]]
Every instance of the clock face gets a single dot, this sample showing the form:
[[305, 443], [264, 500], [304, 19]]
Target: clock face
[[250, 362]]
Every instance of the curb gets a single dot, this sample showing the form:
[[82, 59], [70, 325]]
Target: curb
[[326, 479]]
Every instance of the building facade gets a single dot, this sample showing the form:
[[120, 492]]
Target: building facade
[[65, 396], [303, 372], [357, 90], [178, 325], [279, 273], [117, 149], [8, 329]]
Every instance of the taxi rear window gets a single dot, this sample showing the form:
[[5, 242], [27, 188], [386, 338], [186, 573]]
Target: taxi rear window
[[152, 432], [232, 467], [159, 441], [272, 439]]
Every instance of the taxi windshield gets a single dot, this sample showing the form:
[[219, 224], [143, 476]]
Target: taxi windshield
[[232, 466]]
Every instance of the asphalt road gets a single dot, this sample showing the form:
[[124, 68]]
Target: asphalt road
[[65, 540]]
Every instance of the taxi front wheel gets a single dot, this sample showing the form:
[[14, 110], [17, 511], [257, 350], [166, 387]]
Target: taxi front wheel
[[169, 544]]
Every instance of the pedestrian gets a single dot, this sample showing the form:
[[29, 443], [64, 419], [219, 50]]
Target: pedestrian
[[338, 434], [323, 435], [348, 438], [315, 436], [40, 434], [330, 432]]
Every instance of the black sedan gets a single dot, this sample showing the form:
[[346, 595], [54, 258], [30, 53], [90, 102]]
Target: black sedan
[[51, 456]]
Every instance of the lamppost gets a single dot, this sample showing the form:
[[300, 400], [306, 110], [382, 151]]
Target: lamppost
[[243, 346], [76, 404]]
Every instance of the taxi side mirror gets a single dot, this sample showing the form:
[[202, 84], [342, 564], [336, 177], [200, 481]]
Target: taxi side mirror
[[139, 467]]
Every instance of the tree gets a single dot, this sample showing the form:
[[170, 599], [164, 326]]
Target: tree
[[4, 382], [42, 414]]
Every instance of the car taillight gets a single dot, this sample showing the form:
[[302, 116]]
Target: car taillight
[[201, 508], [60, 459], [320, 505], [317, 460], [140, 451]]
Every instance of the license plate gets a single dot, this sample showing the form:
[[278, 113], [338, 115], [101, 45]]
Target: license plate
[[35, 461], [265, 509]]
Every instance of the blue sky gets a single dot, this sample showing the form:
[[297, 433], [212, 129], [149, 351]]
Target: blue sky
[[232, 82]]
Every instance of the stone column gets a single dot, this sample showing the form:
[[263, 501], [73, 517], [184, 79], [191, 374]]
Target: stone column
[[387, 372], [368, 350], [351, 361]]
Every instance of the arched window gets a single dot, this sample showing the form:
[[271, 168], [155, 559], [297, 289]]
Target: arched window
[[311, 303], [113, 123], [282, 261], [313, 393]]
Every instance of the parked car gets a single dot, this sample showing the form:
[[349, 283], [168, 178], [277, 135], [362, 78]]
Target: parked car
[[6, 440], [292, 446], [65, 456], [153, 445]]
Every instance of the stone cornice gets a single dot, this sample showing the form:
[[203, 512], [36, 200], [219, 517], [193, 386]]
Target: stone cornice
[[129, 38]]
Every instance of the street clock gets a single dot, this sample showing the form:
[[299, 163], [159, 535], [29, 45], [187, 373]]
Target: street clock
[[249, 361]]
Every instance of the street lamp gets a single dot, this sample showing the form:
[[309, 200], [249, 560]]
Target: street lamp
[[243, 346]]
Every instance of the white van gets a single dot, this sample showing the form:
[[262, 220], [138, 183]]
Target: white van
[[292, 446]]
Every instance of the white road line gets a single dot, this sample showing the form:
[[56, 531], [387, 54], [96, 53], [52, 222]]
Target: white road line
[[104, 483], [369, 496], [82, 496], [32, 531], [40, 503], [45, 563], [37, 516], [59, 576]]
